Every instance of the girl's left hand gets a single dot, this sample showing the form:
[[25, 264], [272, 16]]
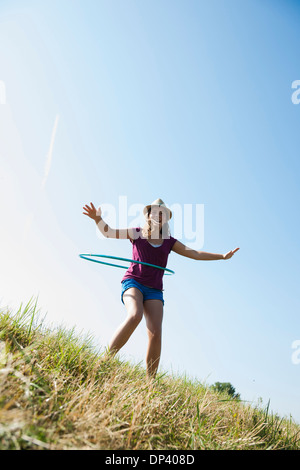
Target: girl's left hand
[[230, 253]]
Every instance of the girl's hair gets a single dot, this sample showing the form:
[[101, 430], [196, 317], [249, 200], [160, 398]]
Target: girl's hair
[[146, 230]]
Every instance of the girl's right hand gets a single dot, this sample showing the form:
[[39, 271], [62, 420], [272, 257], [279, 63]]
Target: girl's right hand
[[92, 212]]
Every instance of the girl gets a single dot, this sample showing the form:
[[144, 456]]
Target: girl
[[142, 286]]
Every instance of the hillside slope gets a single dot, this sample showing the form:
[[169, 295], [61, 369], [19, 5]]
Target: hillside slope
[[58, 392]]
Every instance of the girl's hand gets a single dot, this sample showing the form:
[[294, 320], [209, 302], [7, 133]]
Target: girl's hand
[[230, 253], [92, 212]]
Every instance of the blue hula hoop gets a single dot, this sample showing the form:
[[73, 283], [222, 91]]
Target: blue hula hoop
[[89, 257]]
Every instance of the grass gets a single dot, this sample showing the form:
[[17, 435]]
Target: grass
[[57, 391]]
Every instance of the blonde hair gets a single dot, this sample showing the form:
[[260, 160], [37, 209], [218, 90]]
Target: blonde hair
[[146, 230]]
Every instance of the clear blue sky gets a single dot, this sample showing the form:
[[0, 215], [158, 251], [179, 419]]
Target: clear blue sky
[[186, 101]]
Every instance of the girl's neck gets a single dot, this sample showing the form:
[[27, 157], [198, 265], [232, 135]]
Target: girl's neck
[[154, 236], [155, 233]]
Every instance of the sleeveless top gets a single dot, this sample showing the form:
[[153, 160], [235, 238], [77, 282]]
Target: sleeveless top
[[142, 250]]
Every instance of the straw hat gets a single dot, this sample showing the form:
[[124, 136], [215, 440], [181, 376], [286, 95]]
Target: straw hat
[[159, 203]]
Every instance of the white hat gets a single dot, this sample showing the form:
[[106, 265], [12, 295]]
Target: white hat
[[159, 203]]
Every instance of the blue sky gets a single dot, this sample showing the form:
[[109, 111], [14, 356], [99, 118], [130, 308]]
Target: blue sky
[[186, 101]]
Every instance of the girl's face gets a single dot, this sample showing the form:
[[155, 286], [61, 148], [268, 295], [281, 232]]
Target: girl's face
[[158, 216]]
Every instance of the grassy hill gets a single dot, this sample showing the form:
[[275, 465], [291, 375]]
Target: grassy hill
[[58, 392]]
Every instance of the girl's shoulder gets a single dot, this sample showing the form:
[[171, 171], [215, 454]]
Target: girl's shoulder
[[135, 233]]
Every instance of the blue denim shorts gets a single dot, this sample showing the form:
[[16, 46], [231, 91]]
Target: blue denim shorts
[[148, 292]]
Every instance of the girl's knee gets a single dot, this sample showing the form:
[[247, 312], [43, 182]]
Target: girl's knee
[[135, 316], [154, 334]]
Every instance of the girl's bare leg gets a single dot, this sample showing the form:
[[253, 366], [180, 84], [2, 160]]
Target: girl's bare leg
[[153, 311], [133, 300]]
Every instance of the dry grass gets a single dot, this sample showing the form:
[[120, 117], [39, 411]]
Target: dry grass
[[58, 392]]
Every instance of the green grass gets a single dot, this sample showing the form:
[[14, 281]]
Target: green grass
[[57, 391]]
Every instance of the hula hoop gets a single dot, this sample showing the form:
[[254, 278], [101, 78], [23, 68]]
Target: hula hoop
[[89, 257]]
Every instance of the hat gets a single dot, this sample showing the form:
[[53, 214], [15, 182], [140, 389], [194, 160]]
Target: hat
[[159, 203]]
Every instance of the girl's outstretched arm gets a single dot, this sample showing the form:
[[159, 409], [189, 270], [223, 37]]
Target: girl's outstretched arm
[[184, 250], [108, 232]]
